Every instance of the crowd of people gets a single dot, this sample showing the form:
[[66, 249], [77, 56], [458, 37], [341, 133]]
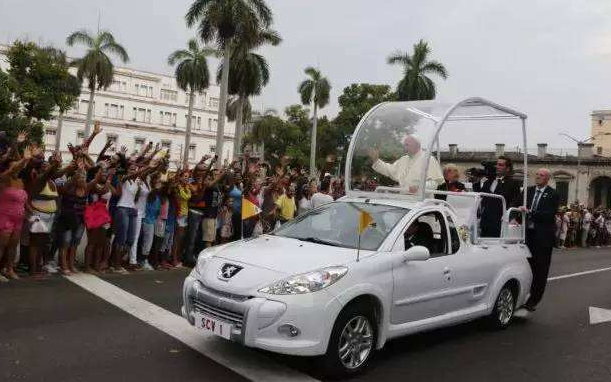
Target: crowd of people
[[134, 213], [580, 226]]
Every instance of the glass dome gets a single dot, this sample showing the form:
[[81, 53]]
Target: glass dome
[[390, 150]]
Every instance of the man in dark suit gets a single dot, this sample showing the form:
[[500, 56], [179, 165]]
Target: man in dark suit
[[542, 203], [492, 208]]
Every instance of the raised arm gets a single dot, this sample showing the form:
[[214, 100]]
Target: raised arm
[[96, 130]]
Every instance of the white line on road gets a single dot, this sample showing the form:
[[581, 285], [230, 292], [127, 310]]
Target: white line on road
[[241, 360], [579, 274]]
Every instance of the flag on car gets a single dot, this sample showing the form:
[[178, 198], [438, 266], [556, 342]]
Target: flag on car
[[365, 220], [249, 209]]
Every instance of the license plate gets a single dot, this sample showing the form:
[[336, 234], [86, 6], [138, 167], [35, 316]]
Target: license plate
[[209, 324]]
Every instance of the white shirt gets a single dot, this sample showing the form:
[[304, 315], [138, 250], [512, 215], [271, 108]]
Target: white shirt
[[142, 198], [305, 205], [128, 194], [318, 199], [587, 219], [407, 170]]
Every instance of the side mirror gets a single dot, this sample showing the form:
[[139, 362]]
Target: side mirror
[[417, 253]]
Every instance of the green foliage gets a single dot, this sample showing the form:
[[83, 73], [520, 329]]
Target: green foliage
[[37, 83], [316, 86], [192, 66], [96, 65], [291, 135], [416, 83], [220, 21]]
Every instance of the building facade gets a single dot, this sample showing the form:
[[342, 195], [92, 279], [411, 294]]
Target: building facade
[[141, 107], [601, 131], [593, 188]]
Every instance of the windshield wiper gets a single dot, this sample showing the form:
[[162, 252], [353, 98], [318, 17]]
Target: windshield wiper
[[319, 241]]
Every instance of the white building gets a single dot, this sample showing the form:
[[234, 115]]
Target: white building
[[142, 107]]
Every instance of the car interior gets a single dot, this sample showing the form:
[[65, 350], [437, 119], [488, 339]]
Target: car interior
[[428, 230]]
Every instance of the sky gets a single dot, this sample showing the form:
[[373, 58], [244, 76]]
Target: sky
[[547, 58]]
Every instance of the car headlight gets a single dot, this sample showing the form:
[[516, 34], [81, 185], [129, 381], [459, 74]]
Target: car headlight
[[307, 282], [203, 257]]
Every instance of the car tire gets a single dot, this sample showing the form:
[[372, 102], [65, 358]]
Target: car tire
[[504, 308], [352, 342]]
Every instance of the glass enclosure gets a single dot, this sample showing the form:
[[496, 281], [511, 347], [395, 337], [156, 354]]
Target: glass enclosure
[[396, 146]]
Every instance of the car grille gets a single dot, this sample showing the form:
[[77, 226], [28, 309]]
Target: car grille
[[235, 319]]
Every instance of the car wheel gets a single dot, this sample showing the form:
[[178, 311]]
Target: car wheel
[[352, 341], [504, 308]]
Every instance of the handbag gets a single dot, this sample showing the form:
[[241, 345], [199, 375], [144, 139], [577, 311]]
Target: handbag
[[96, 215]]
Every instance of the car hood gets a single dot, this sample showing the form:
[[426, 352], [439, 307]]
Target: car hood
[[267, 259]]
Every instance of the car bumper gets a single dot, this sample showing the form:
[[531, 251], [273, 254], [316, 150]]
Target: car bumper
[[261, 321]]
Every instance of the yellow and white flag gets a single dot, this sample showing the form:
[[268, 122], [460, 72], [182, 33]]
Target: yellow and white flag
[[365, 221], [249, 209]]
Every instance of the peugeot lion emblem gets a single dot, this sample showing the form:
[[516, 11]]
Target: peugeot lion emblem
[[227, 271]]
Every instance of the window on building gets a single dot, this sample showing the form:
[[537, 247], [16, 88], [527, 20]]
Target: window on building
[[210, 124], [213, 103], [83, 106], [168, 95], [80, 137], [113, 139], [149, 114], [116, 86], [215, 124], [122, 112], [174, 119], [199, 123], [138, 144], [192, 151], [50, 137], [137, 86], [141, 115], [123, 86], [161, 118], [134, 114], [149, 92], [212, 148], [562, 187], [106, 110]]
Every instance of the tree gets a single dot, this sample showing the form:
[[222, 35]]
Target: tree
[[248, 74], [192, 76], [69, 88], [223, 22], [314, 90], [37, 82], [96, 65], [417, 67]]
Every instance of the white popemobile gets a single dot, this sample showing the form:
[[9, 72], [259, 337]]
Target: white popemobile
[[312, 288]]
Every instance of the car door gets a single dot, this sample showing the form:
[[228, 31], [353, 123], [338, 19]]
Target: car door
[[472, 268], [422, 288]]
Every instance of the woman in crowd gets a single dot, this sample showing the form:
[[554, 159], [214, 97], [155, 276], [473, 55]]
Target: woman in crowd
[[42, 206], [151, 214], [13, 198], [97, 220]]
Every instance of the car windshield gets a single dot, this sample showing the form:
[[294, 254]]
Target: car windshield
[[336, 224]]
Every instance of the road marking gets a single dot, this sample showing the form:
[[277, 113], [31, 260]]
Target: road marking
[[598, 315], [579, 274], [248, 363]]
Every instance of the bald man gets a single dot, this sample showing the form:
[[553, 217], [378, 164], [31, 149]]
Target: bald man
[[542, 202], [407, 170]]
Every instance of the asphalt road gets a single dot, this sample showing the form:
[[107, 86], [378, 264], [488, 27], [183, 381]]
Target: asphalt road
[[53, 330]]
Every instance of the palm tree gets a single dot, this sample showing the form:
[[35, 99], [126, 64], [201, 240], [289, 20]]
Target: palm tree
[[192, 75], [221, 21], [96, 65], [416, 83], [314, 90], [248, 74]]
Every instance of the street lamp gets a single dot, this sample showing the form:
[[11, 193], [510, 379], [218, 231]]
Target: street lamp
[[579, 143]]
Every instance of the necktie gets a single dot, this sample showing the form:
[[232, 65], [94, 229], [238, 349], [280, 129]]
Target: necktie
[[535, 204]]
